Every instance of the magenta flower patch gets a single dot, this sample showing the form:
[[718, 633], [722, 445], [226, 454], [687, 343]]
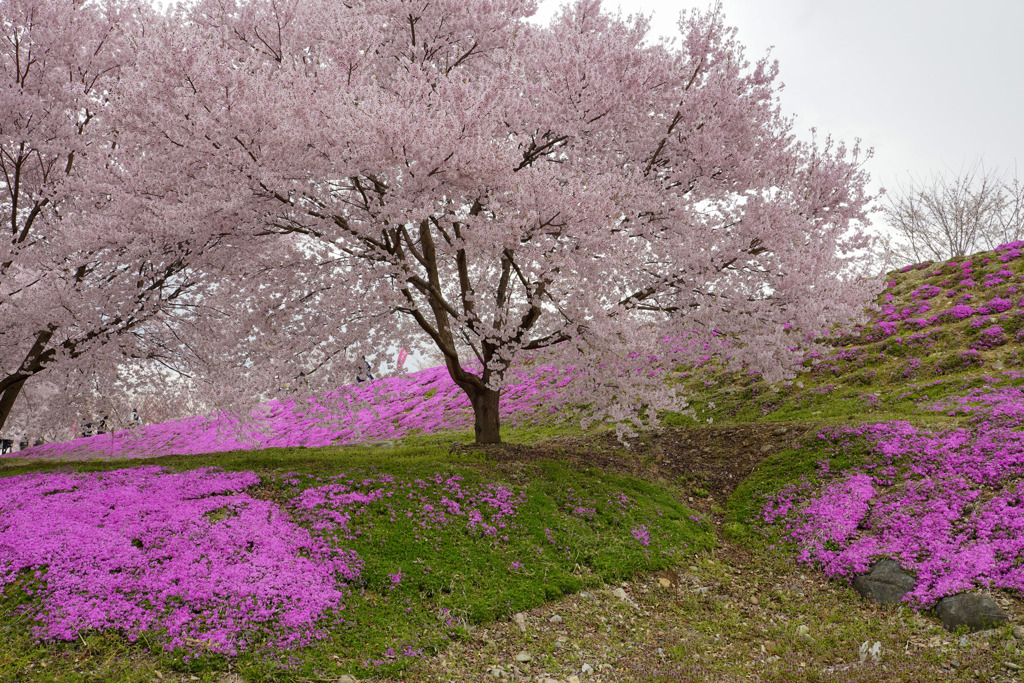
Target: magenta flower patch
[[920, 500], [925, 292], [989, 338], [443, 501], [186, 555], [392, 408], [995, 306]]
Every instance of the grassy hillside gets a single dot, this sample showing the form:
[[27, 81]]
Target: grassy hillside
[[938, 330], [719, 548]]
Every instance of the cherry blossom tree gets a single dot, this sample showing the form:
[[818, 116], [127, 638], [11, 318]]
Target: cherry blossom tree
[[88, 268], [569, 193]]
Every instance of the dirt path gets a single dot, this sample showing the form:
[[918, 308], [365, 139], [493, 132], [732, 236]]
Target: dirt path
[[740, 613]]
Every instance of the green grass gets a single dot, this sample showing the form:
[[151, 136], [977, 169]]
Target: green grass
[[454, 579]]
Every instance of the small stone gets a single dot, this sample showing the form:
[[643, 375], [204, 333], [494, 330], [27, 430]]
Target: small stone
[[780, 431], [765, 448], [886, 582], [1012, 666], [586, 669], [963, 642], [620, 594], [753, 600], [804, 631], [976, 611], [573, 679], [664, 583], [498, 672], [523, 657], [520, 620], [555, 619], [1018, 632], [347, 679], [1011, 646], [549, 680]]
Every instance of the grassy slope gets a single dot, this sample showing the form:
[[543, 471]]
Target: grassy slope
[[455, 580], [702, 624], [878, 380]]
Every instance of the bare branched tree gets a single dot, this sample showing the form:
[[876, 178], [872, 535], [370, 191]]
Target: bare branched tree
[[949, 217]]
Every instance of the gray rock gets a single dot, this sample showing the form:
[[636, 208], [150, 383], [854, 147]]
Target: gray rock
[[555, 619], [976, 611], [523, 657], [586, 669], [622, 595], [765, 448], [1018, 632], [886, 582], [780, 431]]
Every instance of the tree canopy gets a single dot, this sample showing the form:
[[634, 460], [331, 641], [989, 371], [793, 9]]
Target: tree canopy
[[448, 171]]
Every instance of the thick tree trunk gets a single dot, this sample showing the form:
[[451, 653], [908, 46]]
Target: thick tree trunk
[[486, 420], [8, 397], [11, 386]]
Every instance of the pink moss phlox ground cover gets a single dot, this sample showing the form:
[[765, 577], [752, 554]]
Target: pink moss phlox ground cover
[[424, 402], [1003, 406], [948, 505], [390, 408], [188, 557], [440, 501]]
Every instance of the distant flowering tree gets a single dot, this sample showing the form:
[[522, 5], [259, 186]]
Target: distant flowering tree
[[569, 193]]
